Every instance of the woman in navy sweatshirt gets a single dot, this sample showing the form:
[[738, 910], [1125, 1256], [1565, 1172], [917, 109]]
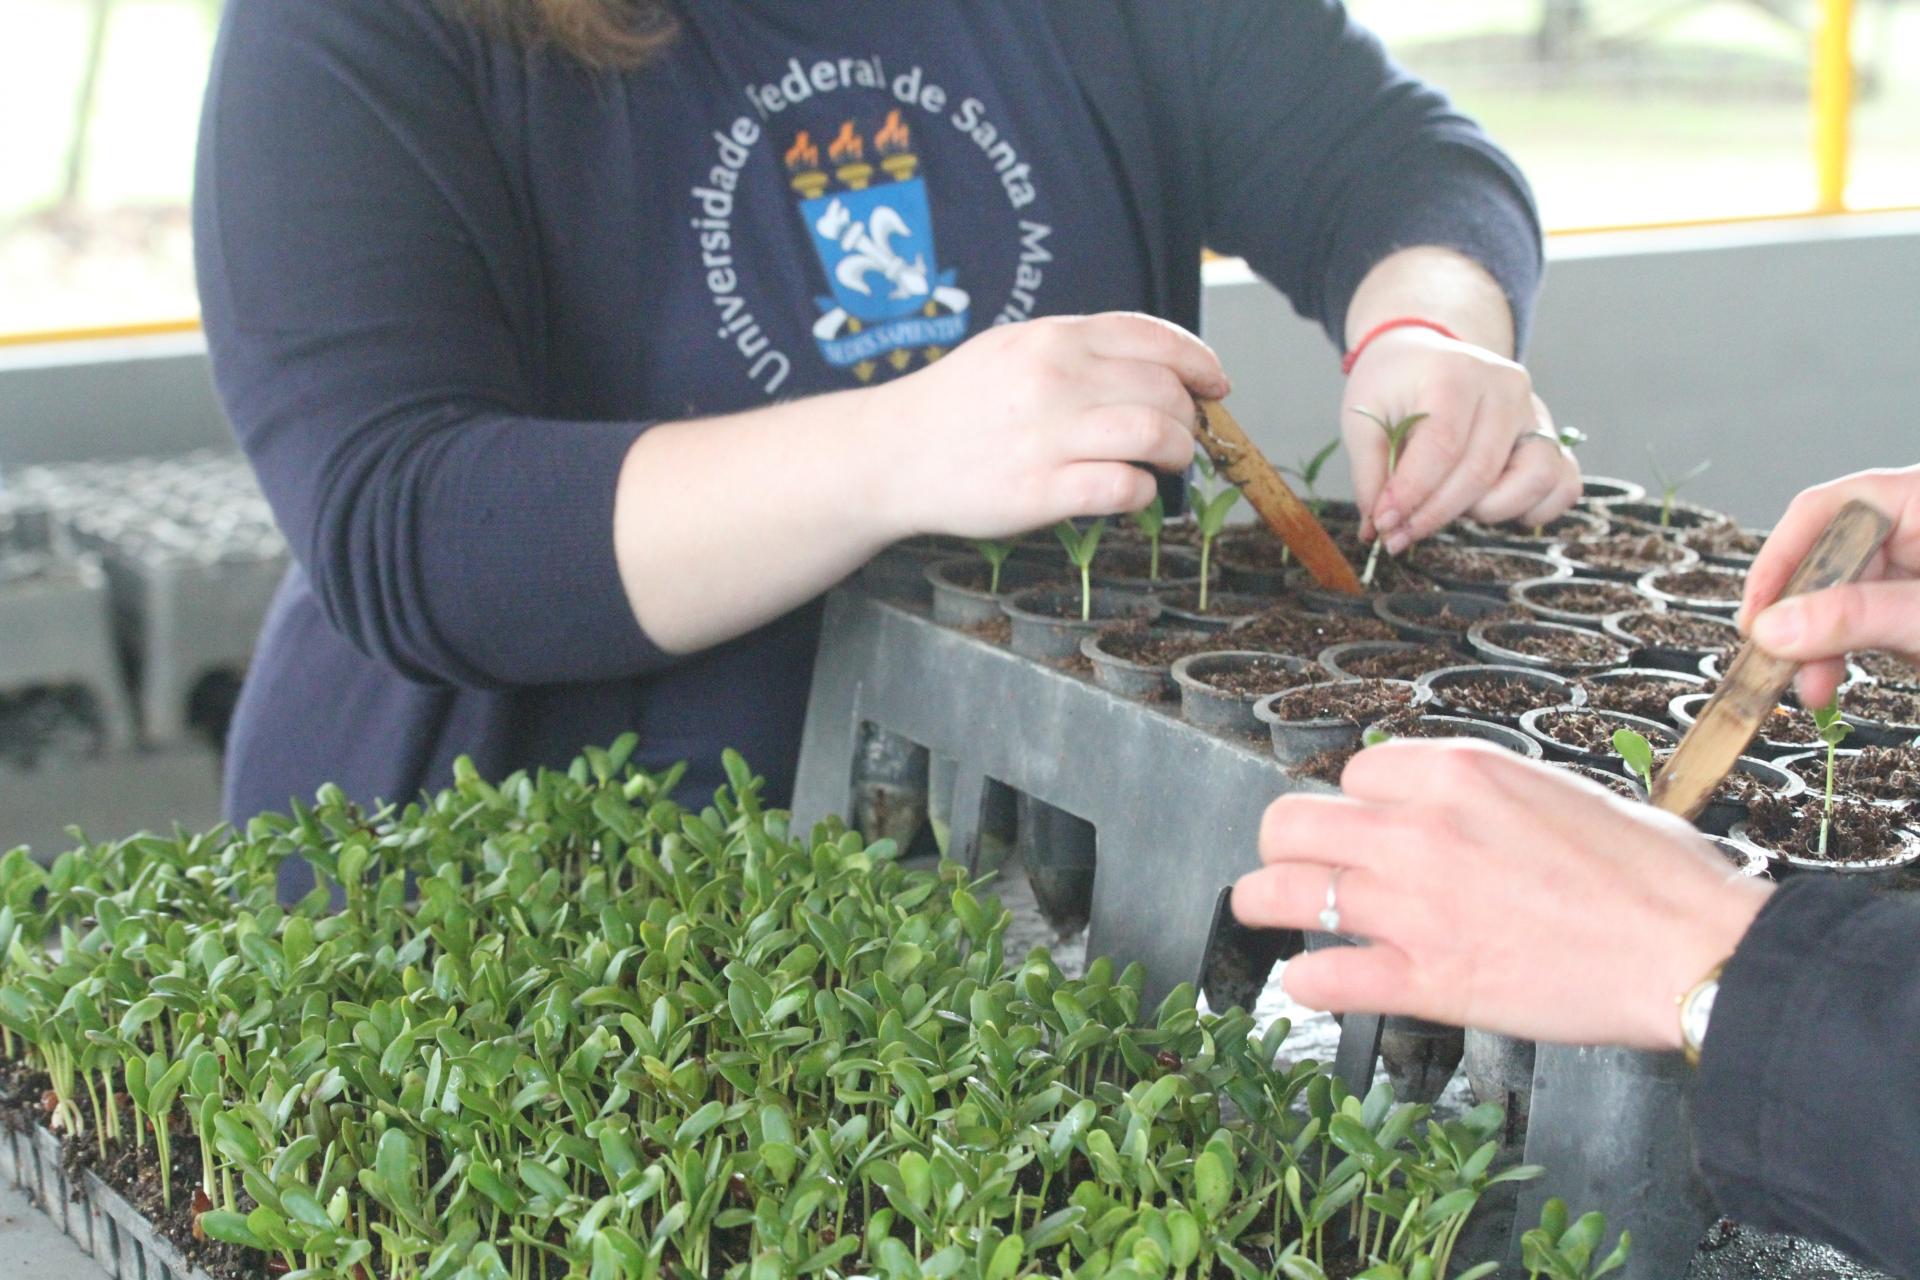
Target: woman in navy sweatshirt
[[580, 345]]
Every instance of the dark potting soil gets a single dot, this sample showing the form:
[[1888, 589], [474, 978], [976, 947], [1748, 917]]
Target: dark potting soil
[[134, 1173], [1357, 703], [1718, 585], [1562, 526], [1257, 681], [1645, 696], [1327, 766], [1471, 564], [1400, 664], [1682, 631], [1133, 561], [1625, 552], [1859, 832], [1789, 726], [1739, 787], [1446, 618], [1885, 703], [1187, 599], [1501, 697], [1577, 648], [1256, 549], [1888, 668], [1149, 645], [1393, 573], [1887, 774], [1584, 730], [1588, 599], [994, 631], [979, 576], [1066, 608], [1723, 540], [1613, 782], [1288, 630]]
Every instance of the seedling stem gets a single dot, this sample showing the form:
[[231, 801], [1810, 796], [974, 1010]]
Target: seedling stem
[[1833, 731], [1396, 433], [1670, 488], [995, 554], [1080, 548], [1212, 517], [1152, 520]]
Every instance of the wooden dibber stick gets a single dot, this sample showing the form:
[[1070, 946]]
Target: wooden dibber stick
[[1756, 679], [1236, 458]]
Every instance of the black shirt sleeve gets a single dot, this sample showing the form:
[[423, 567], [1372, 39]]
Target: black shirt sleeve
[[1807, 1112], [1322, 157], [371, 293]]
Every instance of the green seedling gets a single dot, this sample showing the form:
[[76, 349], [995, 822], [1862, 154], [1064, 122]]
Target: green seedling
[[1307, 472], [1396, 432], [1151, 521], [561, 1025], [1833, 731], [1670, 488], [1374, 736], [1637, 752], [1559, 1251], [995, 554], [1211, 517], [1080, 546]]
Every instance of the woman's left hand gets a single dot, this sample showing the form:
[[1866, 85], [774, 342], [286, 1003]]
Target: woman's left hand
[[1487, 447], [1497, 893]]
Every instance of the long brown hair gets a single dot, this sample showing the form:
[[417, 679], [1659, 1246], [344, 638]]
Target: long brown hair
[[612, 35]]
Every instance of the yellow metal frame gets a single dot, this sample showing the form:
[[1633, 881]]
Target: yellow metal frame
[[1830, 92], [150, 329]]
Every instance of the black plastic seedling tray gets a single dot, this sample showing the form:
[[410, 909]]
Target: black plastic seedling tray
[[92, 1214]]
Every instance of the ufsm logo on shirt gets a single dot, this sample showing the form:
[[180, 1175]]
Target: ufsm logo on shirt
[[871, 224]]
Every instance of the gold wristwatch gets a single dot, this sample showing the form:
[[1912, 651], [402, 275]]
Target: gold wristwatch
[[1696, 1010]]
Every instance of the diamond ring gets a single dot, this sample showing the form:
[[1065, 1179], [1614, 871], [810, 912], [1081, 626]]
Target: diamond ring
[[1330, 914]]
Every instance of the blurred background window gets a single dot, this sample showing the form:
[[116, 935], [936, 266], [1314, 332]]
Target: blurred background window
[[1623, 112], [100, 100]]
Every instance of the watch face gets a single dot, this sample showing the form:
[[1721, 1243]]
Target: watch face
[[1699, 1011]]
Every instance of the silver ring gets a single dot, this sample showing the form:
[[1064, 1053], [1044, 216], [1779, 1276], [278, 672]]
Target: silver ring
[[1538, 433], [1330, 914]]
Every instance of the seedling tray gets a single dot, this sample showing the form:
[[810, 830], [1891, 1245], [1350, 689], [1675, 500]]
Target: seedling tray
[[92, 1214], [1176, 810]]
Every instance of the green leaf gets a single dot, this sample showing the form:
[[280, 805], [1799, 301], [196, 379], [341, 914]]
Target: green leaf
[[1212, 1185], [1054, 1228], [304, 1207], [1636, 751], [699, 1124], [542, 1181], [232, 1228], [1614, 1261]]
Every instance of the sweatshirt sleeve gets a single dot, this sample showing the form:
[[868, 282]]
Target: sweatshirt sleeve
[[1807, 1111], [1323, 157], [370, 292]]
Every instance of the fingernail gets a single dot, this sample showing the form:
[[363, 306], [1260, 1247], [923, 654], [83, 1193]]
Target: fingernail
[[1385, 519], [1781, 626], [1398, 542]]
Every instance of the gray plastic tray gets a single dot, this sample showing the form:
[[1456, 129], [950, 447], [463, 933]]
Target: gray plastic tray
[[95, 1217]]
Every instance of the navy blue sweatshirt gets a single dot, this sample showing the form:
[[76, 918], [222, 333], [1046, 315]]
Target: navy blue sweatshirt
[[447, 282]]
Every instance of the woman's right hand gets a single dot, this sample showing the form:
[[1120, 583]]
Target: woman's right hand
[[1882, 611], [1029, 424]]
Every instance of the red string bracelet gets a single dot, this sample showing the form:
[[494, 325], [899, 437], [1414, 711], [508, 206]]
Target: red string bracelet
[[1387, 326]]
